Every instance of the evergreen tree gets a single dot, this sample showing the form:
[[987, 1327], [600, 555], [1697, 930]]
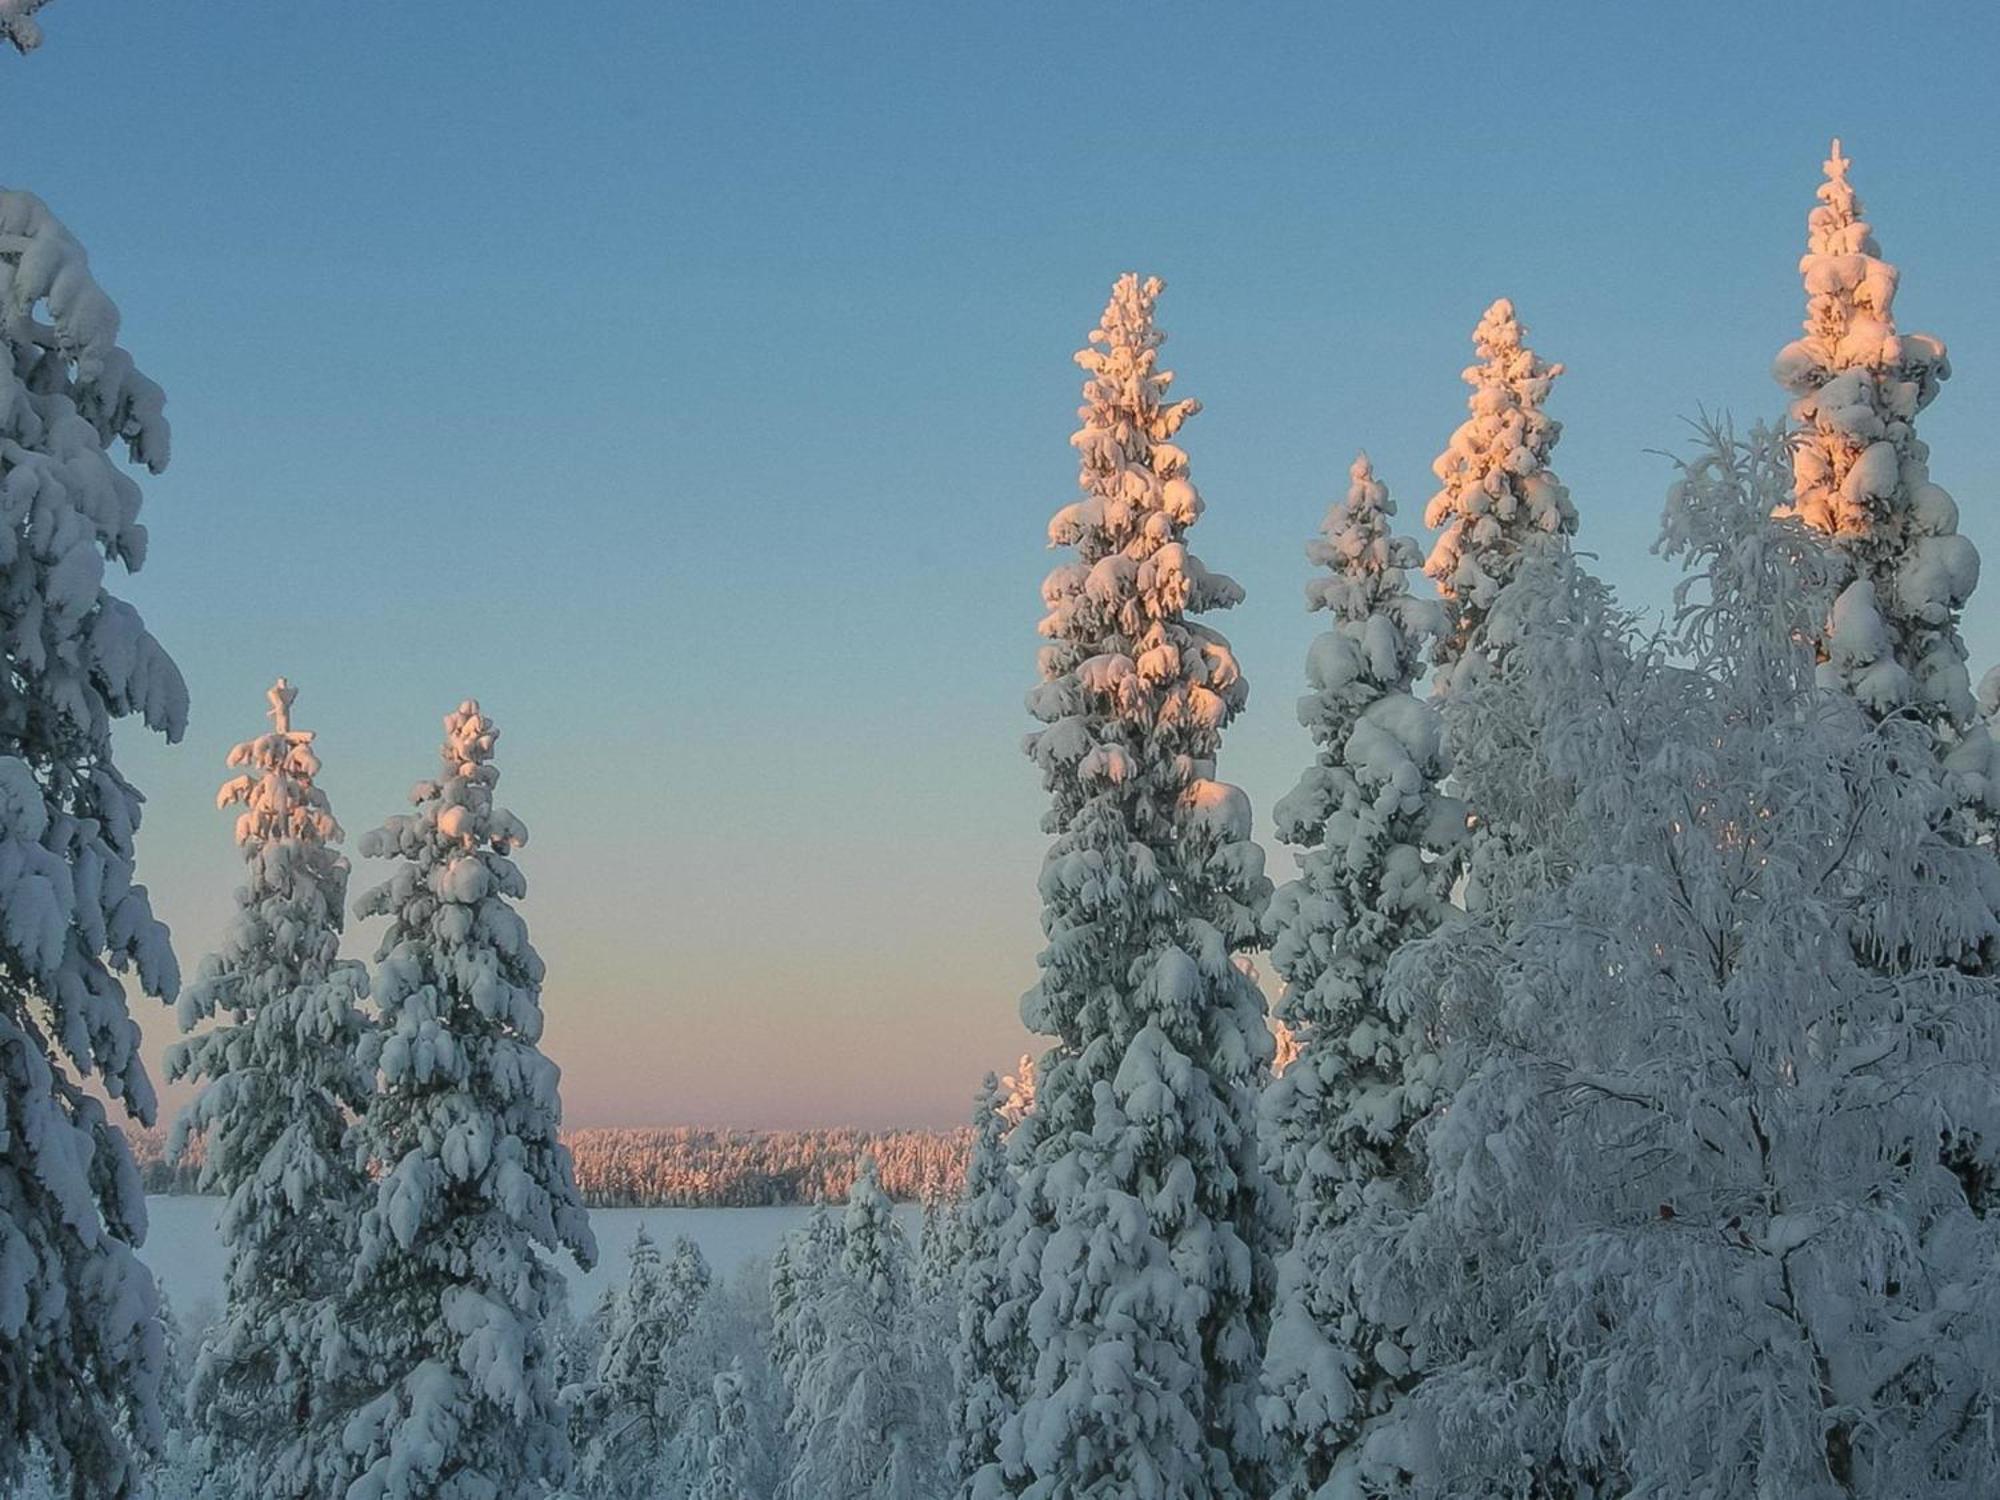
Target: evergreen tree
[[984, 1359], [1138, 1259], [280, 1077], [643, 1392], [574, 1345], [1376, 834], [873, 1253], [866, 1397], [726, 1466], [451, 1287], [1017, 1091], [80, 1336], [182, 1471], [937, 1244], [798, 1272], [1861, 475], [1498, 497], [684, 1289], [1504, 568]]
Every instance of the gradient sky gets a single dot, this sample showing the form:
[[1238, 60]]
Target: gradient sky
[[691, 384]]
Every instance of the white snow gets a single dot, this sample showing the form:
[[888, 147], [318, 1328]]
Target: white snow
[[1498, 499], [1861, 474], [185, 1251]]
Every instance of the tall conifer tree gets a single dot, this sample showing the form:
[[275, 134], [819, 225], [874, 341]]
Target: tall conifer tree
[[452, 1285], [1497, 497], [1138, 1255], [80, 1335], [1376, 832], [281, 1077]]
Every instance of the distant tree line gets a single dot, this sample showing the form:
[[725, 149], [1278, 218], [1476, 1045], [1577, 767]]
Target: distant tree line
[[689, 1167]]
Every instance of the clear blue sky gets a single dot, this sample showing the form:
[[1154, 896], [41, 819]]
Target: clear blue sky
[[691, 384]]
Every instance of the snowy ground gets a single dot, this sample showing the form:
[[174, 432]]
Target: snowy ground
[[182, 1249]]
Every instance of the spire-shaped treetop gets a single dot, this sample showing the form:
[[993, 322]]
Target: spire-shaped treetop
[[1124, 599], [276, 788], [1860, 473], [1497, 494], [1851, 300], [281, 696]]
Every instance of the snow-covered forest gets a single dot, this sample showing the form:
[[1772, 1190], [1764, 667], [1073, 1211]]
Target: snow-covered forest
[[687, 1167], [1626, 1122]]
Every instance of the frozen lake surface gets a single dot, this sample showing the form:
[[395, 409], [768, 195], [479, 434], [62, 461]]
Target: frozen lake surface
[[183, 1251]]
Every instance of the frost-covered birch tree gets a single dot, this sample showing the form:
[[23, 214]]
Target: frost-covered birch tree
[[80, 1336], [1688, 1230], [1498, 498], [1375, 832], [1862, 477], [1138, 1254], [451, 1286], [280, 1078]]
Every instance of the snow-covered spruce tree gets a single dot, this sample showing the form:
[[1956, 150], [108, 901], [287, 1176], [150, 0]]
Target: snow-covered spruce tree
[[799, 1268], [866, 1412], [1498, 497], [1376, 834], [1688, 1232], [451, 1286], [937, 1244], [181, 1472], [726, 1464], [1502, 511], [625, 1422], [80, 1338], [643, 1391], [1861, 475], [684, 1288], [983, 1368], [280, 1077], [1017, 1091], [575, 1343], [1137, 1261]]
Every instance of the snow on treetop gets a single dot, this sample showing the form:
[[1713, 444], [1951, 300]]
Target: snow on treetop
[[1125, 363], [1129, 463], [277, 793], [1836, 226], [1860, 473], [282, 696], [1850, 317], [1118, 609], [469, 739], [1497, 496]]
